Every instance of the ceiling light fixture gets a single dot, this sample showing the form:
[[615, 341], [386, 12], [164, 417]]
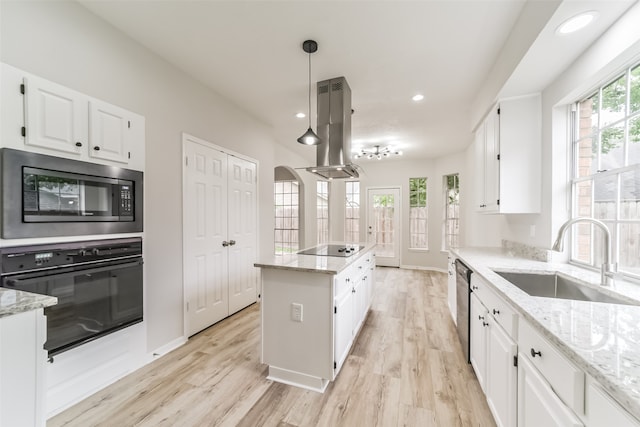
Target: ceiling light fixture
[[309, 137], [577, 22], [376, 152], [301, 115], [417, 97]]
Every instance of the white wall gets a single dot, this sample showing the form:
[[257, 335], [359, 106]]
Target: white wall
[[64, 43], [617, 48], [396, 173]]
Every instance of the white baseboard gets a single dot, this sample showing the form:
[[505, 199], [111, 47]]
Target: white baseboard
[[419, 267], [165, 349]]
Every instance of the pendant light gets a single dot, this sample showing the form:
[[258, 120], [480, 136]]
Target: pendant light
[[309, 137]]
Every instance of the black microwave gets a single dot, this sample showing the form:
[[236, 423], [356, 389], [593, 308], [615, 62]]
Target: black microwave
[[44, 196]]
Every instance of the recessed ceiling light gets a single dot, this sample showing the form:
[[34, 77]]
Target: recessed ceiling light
[[577, 22], [418, 97], [301, 115]]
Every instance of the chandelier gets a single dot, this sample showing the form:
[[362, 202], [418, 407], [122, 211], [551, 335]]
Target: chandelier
[[376, 152]]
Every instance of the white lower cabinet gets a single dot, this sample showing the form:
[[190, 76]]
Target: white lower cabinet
[[343, 312], [353, 293], [492, 357], [538, 405], [478, 340], [602, 410], [502, 375], [22, 369]]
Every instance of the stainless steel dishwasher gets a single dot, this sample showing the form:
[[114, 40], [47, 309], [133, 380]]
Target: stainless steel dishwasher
[[463, 300]]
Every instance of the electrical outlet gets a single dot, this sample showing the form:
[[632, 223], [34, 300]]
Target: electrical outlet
[[296, 312]]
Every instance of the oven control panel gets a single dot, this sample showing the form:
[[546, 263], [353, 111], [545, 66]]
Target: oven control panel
[[126, 201], [26, 258]]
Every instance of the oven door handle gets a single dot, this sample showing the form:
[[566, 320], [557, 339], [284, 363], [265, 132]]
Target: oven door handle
[[24, 279]]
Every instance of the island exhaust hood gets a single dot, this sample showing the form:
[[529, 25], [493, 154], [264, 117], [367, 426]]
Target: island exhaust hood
[[333, 157]]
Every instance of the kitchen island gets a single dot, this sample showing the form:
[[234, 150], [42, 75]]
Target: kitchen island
[[23, 331], [312, 309]]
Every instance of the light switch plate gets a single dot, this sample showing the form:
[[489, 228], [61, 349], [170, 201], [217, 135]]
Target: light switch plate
[[296, 312]]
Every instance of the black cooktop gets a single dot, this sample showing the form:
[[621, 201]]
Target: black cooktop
[[332, 250]]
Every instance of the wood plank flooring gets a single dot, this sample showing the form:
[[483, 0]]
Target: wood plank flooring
[[405, 369]]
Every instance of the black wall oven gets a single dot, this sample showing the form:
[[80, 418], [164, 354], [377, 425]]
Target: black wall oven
[[45, 196], [98, 284]]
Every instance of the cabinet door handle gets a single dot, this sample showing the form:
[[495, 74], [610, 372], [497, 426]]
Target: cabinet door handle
[[97, 148], [496, 311], [78, 144], [353, 290], [534, 353], [232, 242], [485, 324], [225, 243], [480, 317], [475, 288]]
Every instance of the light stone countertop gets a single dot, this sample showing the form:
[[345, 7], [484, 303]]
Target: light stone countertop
[[313, 263], [601, 339], [13, 301]]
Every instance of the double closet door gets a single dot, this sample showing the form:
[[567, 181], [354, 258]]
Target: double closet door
[[219, 234]]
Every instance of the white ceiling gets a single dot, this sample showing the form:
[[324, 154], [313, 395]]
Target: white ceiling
[[250, 52]]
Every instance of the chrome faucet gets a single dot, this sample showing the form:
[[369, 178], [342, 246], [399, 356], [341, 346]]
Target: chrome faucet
[[606, 271]]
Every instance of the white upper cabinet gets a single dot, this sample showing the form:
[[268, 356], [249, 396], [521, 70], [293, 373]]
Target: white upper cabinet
[[45, 117], [508, 157], [110, 132], [55, 117]]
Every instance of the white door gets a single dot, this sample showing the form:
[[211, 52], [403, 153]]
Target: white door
[[204, 231], [242, 233], [56, 117], [383, 226]]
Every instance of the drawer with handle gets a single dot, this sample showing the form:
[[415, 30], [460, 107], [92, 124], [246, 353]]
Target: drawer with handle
[[566, 380]]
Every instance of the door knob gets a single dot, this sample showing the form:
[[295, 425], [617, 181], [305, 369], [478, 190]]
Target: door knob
[[225, 243]]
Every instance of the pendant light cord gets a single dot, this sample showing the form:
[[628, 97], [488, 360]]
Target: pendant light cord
[[309, 90]]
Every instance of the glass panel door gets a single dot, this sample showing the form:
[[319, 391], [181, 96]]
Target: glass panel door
[[383, 226]]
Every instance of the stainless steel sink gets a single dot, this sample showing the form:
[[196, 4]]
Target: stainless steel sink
[[556, 286]]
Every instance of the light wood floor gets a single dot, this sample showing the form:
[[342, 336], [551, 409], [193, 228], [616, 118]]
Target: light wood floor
[[406, 369]]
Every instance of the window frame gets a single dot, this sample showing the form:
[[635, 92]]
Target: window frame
[[414, 221], [584, 185], [294, 244], [446, 246], [321, 219], [350, 231]]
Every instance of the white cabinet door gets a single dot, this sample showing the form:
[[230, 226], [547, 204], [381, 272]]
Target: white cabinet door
[[242, 233], [55, 116], [343, 333], [359, 303], [479, 162], [538, 405], [110, 134], [492, 164], [478, 340], [501, 376], [205, 230], [22, 371]]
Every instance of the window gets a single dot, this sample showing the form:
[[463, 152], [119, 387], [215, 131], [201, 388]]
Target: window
[[451, 211], [418, 213], [322, 209], [286, 214], [606, 172], [352, 212]]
